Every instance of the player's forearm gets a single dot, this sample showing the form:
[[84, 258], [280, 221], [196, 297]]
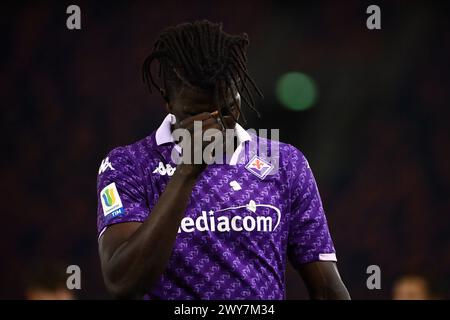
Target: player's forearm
[[140, 261], [323, 281], [336, 291]]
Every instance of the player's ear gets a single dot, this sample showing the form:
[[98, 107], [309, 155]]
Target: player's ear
[[164, 94], [166, 99], [169, 106]]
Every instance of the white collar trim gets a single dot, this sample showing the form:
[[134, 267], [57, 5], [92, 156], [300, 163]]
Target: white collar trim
[[164, 135]]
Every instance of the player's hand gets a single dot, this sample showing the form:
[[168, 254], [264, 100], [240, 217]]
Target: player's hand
[[208, 121]]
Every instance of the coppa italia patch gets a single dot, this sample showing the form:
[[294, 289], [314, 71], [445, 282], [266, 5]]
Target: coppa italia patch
[[111, 202], [259, 167]]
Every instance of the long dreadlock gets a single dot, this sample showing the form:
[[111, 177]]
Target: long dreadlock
[[201, 55]]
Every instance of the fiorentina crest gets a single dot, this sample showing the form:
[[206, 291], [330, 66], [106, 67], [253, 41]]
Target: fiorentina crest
[[259, 167]]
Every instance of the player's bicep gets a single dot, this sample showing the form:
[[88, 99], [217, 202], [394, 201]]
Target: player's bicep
[[115, 236]]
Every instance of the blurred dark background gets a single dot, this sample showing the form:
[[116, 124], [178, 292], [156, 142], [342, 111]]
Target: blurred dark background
[[377, 136]]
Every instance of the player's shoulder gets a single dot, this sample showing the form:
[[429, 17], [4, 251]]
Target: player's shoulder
[[140, 153], [286, 151], [292, 158], [287, 158]]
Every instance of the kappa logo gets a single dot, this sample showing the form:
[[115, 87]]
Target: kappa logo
[[163, 170], [105, 165]]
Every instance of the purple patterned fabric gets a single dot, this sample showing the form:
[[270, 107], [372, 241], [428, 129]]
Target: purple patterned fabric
[[238, 228]]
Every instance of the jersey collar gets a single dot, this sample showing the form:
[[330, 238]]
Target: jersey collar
[[163, 135]]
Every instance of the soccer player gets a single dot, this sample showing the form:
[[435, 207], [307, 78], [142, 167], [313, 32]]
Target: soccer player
[[217, 231]]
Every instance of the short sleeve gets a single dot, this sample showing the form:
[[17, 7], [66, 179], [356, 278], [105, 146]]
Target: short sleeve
[[121, 195], [309, 237]]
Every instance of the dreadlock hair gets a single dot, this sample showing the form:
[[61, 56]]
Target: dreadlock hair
[[201, 55]]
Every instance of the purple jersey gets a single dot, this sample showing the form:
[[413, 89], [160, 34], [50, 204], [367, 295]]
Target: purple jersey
[[240, 224]]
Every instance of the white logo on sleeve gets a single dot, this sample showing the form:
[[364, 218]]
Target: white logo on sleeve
[[164, 170], [105, 165]]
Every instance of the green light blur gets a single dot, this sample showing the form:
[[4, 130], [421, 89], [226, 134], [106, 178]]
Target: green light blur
[[296, 91]]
